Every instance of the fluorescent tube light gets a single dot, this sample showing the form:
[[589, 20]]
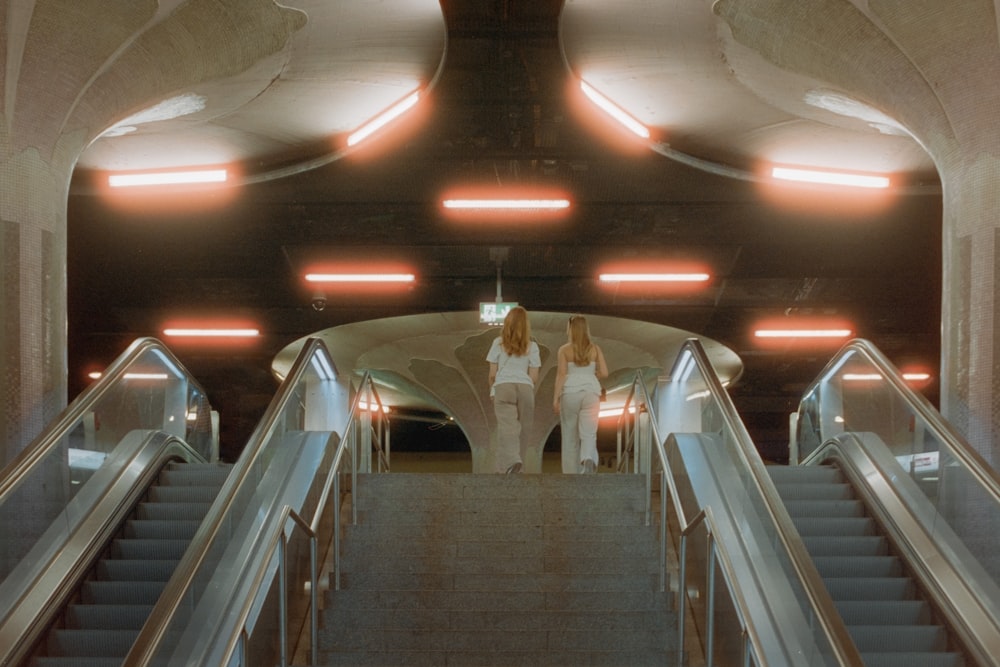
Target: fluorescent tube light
[[802, 333], [212, 333], [383, 119], [360, 277], [506, 204], [614, 111], [168, 178], [829, 177], [655, 277]]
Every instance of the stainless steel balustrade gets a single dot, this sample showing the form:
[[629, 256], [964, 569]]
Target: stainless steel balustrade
[[264, 537], [690, 406], [61, 498], [934, 493]]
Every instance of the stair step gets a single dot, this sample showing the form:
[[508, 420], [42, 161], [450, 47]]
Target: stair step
[[173, 511], [182, 494], [133, 549], [901, 638], [604, 558], [613, 657], [145, 529], [839, 527], [871, 588], [866, 545], [449, 581], [824, 508], [104, 616], [111, 569], [121, 592], [858, 566], [91, 643], [884, 612], [912, 659], [533, 639]]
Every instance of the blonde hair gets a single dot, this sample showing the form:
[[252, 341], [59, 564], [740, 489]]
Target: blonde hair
[[579, 338], [516, 333]]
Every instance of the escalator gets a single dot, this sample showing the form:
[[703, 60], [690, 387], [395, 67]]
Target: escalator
[[107, 611], [890, 620], [875, 547]]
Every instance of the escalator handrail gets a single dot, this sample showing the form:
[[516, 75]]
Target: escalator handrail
[[166, 608], [20, 625], [21, 467], [951, 577], [819, 598], [971, 459]]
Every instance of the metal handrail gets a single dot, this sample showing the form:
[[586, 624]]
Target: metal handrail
[[153, 632], [20, 468], [985, 474], [816, 592]]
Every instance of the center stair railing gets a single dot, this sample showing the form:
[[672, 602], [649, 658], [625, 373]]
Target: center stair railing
[[773, 608]]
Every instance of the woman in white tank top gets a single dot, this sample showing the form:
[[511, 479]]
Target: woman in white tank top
[[581, 367]]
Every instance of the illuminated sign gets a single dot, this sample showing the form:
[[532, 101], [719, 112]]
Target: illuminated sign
[[493, 312]]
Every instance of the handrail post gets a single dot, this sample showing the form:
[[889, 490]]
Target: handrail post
[[283, 600], [682, 599], [314, 600], [663, 532], [336, 531], [710, 603]]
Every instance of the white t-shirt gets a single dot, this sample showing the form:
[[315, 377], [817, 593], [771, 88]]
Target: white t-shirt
[[513, 368]]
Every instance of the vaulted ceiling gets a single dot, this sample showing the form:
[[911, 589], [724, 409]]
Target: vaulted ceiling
[[502, 108]]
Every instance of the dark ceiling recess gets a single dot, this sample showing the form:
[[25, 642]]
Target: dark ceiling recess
[[501, 114]]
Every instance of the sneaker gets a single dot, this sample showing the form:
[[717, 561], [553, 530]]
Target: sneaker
[[589, 467], [514, 468]]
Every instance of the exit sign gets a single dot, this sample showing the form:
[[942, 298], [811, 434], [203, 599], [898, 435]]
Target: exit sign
[[493, 313]]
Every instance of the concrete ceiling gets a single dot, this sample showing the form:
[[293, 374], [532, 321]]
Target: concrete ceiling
[[282, 86]]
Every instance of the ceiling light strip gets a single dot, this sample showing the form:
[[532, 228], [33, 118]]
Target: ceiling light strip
[[613, 110], [212, 333], [506, 204], [802, 333], [383, 119], [829, 177], [655, 277], [360, 277], [168, 178]]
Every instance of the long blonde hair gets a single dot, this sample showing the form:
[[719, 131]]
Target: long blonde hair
[[579, 338], [516, 333]]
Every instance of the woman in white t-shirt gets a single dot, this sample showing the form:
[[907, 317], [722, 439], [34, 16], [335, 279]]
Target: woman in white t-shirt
[[577, 396], [514, 362]]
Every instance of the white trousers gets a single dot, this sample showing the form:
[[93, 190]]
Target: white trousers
[[578, 423], [514, 406]]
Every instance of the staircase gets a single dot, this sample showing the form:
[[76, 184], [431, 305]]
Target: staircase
[[476, 570], [891, 624], [99, 626]]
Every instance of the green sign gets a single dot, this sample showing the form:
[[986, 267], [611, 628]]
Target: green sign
[[493, 313]]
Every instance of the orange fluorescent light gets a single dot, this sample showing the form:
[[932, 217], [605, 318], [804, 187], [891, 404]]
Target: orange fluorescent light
[[383, 119], [916, 377], [506, 204], [875, 377], [654, 277], [613, 110], [802, 333], [829, 177], [212, 333], [360, 277], [168, 178]]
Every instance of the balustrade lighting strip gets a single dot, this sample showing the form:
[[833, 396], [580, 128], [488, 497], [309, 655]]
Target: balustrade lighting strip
[[168, 178], [802, 333], [875, 377], [506, 204], [829, 177], [613, 110], [383, 119], [360, 277], [654, 277], [213, 333]]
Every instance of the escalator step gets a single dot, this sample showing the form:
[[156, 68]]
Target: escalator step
[[105, 616], [149, 549], [91, 643], [161, 530], [859, 566], [190, 475], [173, 511], [902, 638], [882, 612], [835, 527], [135, 570], [796, 492], [121, 592], [913, 660], [805, 474], [824, 508], [867, 545], [871, 588], [182, 494]]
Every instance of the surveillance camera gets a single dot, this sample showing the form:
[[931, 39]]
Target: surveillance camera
[[319, 303]]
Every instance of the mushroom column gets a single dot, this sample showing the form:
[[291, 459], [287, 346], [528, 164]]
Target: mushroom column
[[931, 67], [70, 70]]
